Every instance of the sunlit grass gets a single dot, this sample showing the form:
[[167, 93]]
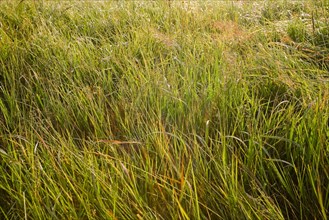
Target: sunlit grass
[[158, 110]]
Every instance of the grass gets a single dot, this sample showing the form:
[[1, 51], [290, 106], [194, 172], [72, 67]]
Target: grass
[[151, 110]]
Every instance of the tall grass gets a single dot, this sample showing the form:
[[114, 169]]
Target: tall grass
[[150, 110]]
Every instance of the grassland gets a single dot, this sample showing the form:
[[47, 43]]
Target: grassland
[[151, 110]]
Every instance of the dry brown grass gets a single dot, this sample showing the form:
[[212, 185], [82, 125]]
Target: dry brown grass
[[165, 39]]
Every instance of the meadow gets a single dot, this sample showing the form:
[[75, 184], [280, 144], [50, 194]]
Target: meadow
[[164, 110]]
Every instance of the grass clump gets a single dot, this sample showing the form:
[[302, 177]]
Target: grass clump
[[164, 110]]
